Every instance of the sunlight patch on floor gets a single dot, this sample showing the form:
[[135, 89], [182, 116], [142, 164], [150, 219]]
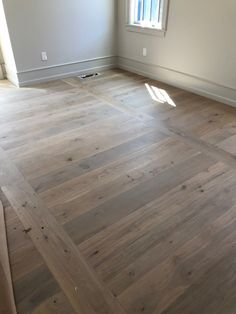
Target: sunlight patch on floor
[[159, 95]]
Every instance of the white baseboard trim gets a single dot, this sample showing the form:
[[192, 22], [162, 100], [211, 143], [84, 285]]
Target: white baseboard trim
[[184, 81], [40, 75]]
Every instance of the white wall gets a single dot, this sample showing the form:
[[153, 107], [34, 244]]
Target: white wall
[[1, 57], [69, 31], [198, 51], [6, 48], [1, 67]]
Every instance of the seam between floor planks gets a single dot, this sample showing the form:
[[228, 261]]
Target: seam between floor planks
[[79, 283], [216, 153]]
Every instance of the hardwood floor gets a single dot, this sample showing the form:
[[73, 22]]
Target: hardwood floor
[[120, 197], [7, 303]]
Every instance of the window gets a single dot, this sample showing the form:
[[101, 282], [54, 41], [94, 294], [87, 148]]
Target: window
[[147, 14]]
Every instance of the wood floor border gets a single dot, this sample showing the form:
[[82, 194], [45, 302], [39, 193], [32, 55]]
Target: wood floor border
[[44, 193], [7, 302], [216, 153], [79, 283]]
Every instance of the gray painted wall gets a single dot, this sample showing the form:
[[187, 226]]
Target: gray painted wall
[[69, 31], [198, 51]]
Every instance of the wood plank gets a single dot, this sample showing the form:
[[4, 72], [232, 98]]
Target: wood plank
[[33, 284], [50, 124], [210, 286], [35, 288], [168, 283], [146, 190], [130, 166], [71, 148], [98, 160], [7, 302], [64, 260], [56, 304], [107, 192], [85, 226], [175, 211]]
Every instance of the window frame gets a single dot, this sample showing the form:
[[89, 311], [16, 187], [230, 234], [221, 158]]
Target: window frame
[[139, 28]]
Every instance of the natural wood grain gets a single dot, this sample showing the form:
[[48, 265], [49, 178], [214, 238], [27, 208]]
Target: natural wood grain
[[101, 159], [164, 212], [129, 199], [7, 302], [78, 282], [34, 285], [56, 304]]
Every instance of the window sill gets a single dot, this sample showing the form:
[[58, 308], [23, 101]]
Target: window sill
[[145, 30]]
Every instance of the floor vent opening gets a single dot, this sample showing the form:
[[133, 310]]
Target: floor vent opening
[[85, 76]]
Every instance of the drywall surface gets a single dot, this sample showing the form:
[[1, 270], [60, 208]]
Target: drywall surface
[[1, 65], [68, 31], [199, 44], [1, 57], [6, 52]]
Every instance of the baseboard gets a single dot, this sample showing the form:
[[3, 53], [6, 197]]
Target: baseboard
[[184, 81], [39, 75]]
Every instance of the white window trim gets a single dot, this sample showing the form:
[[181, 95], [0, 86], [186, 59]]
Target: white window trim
[[143, 29]]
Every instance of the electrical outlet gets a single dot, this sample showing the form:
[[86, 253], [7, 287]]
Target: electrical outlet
[[144, 52], [44, 56]]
